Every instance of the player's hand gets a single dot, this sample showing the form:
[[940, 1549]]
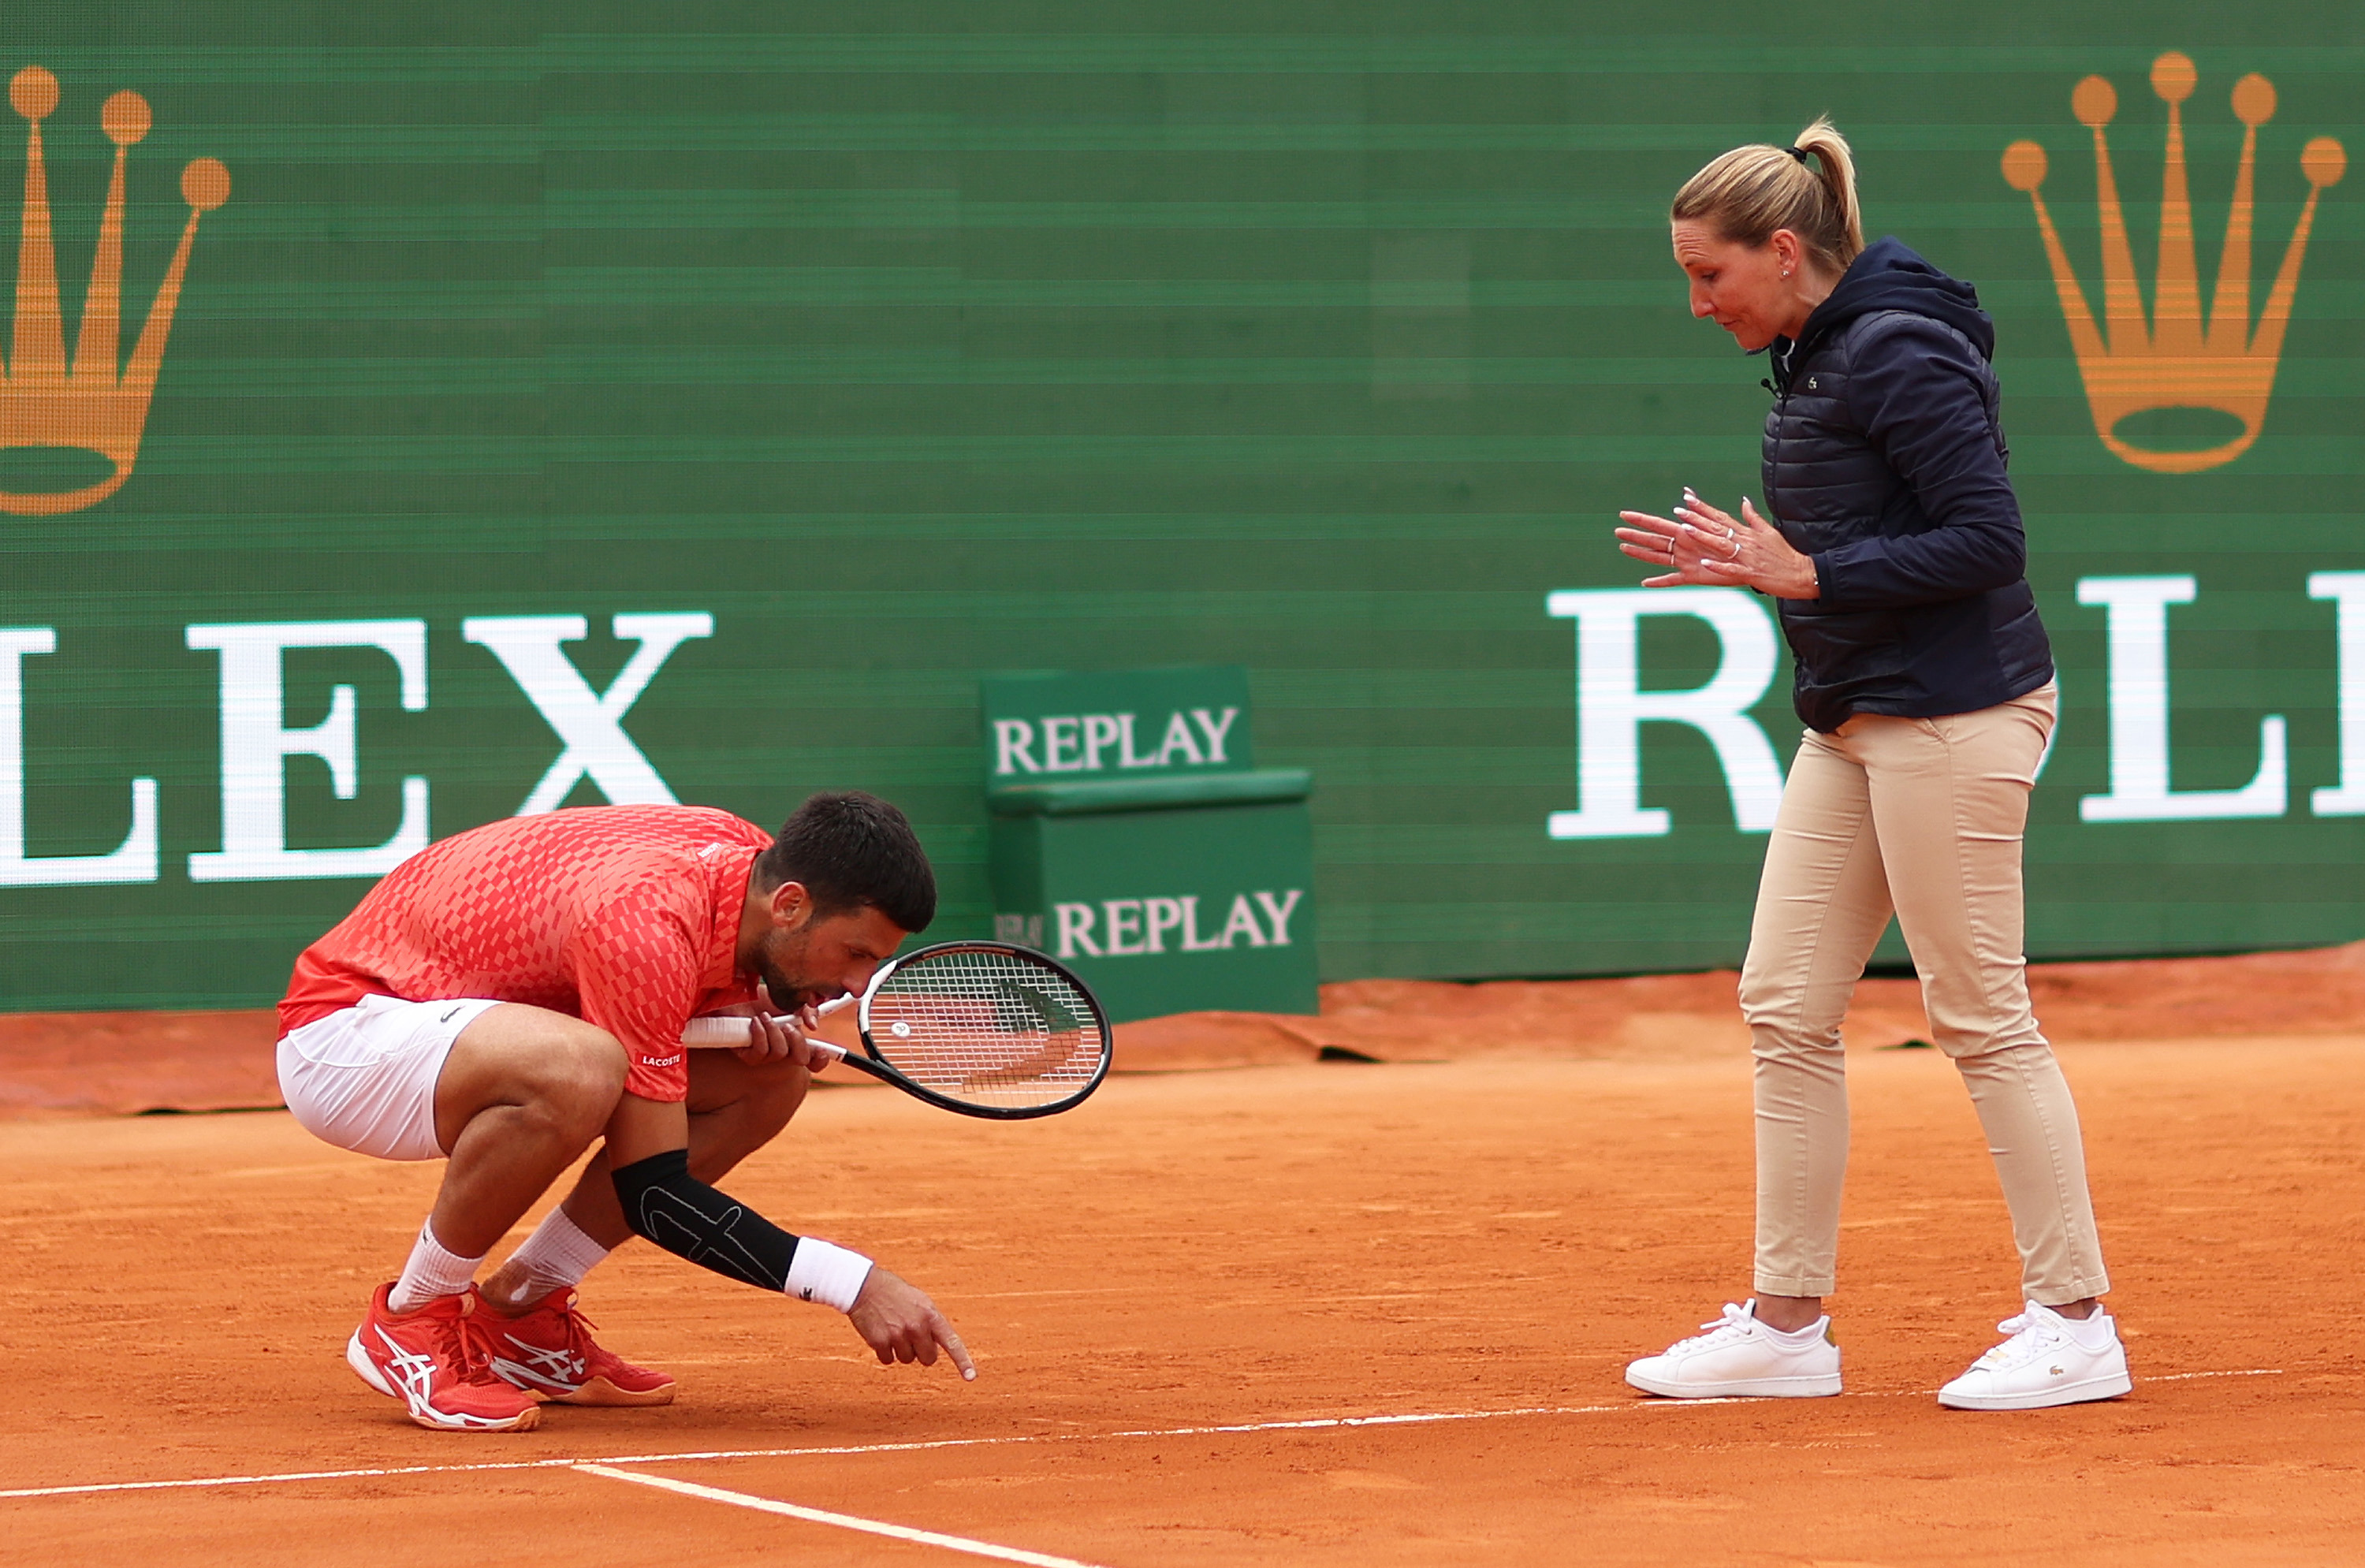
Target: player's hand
[[1746, 550], [898, 1323], [1674, 545], [1705, 545], [771, 1040]]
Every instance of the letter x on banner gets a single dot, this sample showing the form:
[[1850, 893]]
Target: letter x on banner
[[591, 723]]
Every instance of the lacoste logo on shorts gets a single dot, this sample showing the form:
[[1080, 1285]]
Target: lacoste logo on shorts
[[661, 1061]]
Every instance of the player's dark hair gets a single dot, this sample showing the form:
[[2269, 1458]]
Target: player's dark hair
[[850, 849]]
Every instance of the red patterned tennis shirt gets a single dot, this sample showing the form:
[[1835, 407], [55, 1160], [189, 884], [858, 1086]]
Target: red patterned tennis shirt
[[624, 916]]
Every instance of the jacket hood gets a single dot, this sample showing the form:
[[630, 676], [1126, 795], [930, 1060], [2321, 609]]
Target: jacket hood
[[1888, 276]]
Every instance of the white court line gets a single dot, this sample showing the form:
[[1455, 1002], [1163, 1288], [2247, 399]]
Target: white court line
[[2188, 1377], [843, 1521], [834, 1451], [1316, 1424]]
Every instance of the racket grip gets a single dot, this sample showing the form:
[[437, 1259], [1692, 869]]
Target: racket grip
[[728, 1029]]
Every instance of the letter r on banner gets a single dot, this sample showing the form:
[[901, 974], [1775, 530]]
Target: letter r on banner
[[1611, 707], [591, 723]]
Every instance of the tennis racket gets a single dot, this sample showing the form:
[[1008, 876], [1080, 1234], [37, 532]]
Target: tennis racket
[[983, 1028]]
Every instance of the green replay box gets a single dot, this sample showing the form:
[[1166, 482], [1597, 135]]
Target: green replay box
[[1135, 838]]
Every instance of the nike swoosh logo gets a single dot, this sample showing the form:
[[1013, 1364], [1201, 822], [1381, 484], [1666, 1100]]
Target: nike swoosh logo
[[449, 1016]]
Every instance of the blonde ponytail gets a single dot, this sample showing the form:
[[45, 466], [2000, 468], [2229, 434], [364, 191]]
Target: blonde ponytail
[[1750, 192]]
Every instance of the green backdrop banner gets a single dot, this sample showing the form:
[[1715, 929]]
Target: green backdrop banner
[[514, 407]]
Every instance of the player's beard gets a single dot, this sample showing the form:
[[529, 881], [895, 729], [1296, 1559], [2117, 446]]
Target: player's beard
[[779, 964]]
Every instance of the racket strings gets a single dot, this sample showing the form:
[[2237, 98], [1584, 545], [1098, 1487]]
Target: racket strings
[[990, 1027]]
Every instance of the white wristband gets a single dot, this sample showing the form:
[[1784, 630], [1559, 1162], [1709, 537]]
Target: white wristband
[[821, 1272]]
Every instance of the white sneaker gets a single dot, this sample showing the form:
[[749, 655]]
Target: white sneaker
[[1740, 1357], [2048, 1359]]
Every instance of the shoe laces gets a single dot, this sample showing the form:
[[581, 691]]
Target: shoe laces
[[1733, 1323], [471, 1349], [577, 1328], [574, 1330], [2026, 1335]]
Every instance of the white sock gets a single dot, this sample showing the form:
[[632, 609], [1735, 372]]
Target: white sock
[[559, 1254], [432, 1272], [2091, 1331], [1807, 1336]]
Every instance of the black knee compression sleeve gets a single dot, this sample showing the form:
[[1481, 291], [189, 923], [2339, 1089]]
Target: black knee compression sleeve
[[666, 1204]]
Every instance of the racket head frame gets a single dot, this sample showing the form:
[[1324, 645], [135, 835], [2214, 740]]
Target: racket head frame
[[879, 1066]]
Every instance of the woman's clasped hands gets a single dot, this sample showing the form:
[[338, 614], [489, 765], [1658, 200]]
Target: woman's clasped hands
[[1702, 544]]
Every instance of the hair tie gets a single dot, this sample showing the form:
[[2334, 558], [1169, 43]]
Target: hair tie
[[1797, 152]]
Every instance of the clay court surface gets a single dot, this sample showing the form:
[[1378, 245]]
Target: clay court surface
[[1304, 1312]]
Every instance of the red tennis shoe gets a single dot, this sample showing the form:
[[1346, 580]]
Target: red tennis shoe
[[434, 1360], [546, 1350]]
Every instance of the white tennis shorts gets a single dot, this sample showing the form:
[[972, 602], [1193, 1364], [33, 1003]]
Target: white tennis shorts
[[364, 1078]]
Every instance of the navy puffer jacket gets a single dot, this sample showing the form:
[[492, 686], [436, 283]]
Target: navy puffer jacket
[[1885, 462]]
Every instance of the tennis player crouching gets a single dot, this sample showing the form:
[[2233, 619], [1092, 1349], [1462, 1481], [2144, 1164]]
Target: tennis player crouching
[[505, 998]]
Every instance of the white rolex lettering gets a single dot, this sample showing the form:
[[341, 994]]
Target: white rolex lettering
[[2139, 708], [2346, 799], [256, 743], [1611, 708], [590, 723], [134, 860]]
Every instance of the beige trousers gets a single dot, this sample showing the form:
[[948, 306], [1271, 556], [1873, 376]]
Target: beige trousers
[[1922, 817]]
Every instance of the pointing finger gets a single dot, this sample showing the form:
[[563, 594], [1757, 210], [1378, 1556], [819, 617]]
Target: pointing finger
[[953, 1346]]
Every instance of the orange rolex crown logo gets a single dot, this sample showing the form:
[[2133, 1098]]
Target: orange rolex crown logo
[[2174, 361], [92, 405]]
